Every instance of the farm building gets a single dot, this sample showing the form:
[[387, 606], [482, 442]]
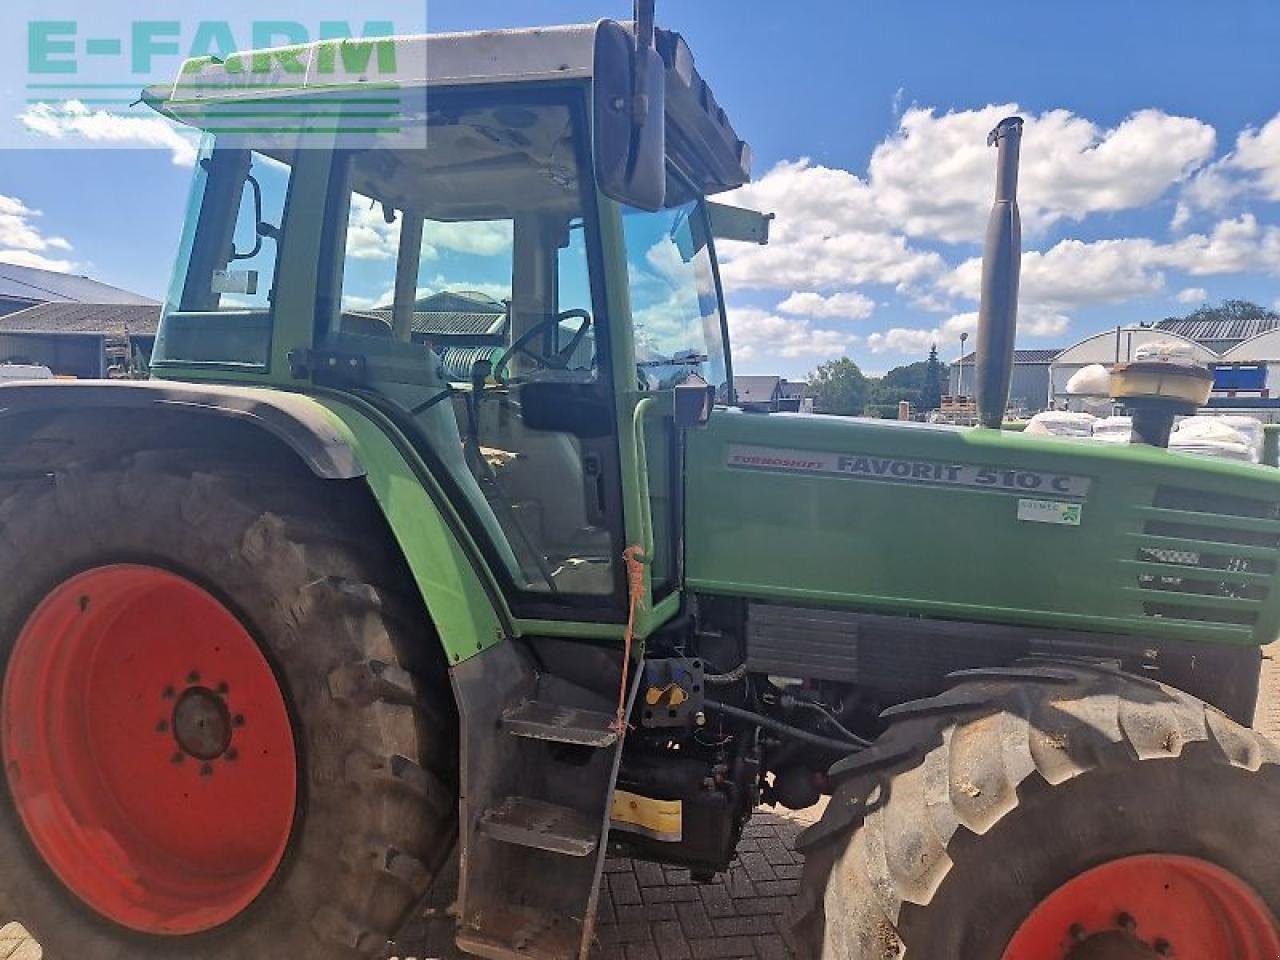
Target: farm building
[[86, 340], [1029, 387]]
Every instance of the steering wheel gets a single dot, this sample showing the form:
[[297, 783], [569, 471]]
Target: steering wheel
[[552, 361]]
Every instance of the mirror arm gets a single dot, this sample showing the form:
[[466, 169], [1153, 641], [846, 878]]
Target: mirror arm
[[643, 506]]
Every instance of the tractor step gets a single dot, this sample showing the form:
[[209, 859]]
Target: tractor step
[[526, 822], [522, 933], [540, 720]]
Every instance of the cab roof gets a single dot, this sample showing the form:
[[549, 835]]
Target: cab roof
[[700, 137]]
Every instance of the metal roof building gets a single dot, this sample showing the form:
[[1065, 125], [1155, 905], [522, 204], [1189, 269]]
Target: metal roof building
[[1219, 335], [448, 314], [23, 287]]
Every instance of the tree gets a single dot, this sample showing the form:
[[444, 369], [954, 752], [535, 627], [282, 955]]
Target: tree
[[931, 392], [838, 386], [909, 382], [1231, 310]]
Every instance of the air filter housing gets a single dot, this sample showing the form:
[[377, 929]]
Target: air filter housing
[[1156, 387]]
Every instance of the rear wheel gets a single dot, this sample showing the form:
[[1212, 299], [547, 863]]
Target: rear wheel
[[1052, 812], [224, 736]]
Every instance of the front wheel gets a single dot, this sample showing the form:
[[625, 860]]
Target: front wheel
[[224, 735], [1049, 812]]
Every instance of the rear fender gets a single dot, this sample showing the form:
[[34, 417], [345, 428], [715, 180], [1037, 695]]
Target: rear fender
[[299, 423], [338, 442]]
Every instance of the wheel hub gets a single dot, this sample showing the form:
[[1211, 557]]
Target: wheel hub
[[1114, 945], [202, 724]]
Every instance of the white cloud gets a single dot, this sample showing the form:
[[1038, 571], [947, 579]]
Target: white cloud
[[1252, 168], [1257, 153], [1192, 295], [828, 233], [23, 243], [759, 334], [370, 237], [1236, 245], [75, 121], [1039, 321], [1075, 273], [483, 238], [931, 180], [903, 340], [1032, 322], [934, 176], [848, 304]]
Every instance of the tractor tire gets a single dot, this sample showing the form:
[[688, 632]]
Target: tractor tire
[[228, 734], [1053, 810]]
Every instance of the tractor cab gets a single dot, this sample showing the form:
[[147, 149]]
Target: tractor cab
[[502, 244]]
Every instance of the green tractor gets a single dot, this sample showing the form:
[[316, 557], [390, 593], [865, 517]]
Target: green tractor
[[436, 561]]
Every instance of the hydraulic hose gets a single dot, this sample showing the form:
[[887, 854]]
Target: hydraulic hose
[[777, 726]]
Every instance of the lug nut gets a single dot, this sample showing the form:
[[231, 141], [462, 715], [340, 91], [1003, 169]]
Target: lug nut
[[168, 693], [193, 676], [178, 757], [1076, 932], [238, 720], [1163, 947], [1126, 922], [162, 726], [223, 688], [231, 755], [206, 770]]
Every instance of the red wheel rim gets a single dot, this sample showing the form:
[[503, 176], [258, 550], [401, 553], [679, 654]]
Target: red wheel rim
[[148, 749], [1152, 905]]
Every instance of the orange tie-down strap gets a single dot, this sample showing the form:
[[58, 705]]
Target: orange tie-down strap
[[635, 560]]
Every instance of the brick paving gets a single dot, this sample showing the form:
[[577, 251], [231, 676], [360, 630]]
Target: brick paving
[[648, 912]]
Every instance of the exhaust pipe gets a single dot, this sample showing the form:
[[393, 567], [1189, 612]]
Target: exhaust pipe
[[1001, 266]]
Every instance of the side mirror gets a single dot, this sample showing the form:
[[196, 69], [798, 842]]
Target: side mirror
[[692, 402], [629, 114], [580, 409]]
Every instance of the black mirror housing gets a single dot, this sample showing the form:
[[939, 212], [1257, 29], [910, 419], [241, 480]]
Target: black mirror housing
[[692, 403], [580, 409], [629, 119]]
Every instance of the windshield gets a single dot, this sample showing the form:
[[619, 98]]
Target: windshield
[[675, 299]]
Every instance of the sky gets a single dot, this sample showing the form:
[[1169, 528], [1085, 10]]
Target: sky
[[1150, 161]]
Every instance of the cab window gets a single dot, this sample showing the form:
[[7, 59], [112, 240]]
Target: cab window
[[465, 280], [219, 310]]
